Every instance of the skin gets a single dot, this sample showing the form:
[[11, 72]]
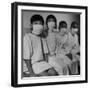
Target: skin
[[74, 31], [51, 28], [37, 22]]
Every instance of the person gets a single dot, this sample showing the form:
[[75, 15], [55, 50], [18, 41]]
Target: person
[[51, 39], [75, 47], [63, 48], [34, 48], [51, 23]]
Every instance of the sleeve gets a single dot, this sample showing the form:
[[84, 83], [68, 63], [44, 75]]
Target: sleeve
[[27, 47]]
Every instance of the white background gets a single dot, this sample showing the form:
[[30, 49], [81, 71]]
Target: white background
[[5, 46]]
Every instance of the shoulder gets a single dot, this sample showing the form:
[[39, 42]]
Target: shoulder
[[70, 35], [27, 36], [55, 33]]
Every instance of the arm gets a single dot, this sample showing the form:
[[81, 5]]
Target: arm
[[27, 53], [75, 49], [29, 66]]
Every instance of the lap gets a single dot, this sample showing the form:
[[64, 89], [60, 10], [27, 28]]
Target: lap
[[40, 67], [49, 72]]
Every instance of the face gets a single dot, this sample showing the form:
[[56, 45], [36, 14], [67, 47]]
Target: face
[[74, 30], [51, 23], [37, 27], [37, 22], [63, 31]]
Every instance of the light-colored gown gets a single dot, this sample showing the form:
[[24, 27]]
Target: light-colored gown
[[32, 50], [52, 58], [63, 48]]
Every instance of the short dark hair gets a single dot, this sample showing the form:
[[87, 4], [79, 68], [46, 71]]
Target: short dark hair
[[51, 17], [74, 24], [36, 17], [62, 24]]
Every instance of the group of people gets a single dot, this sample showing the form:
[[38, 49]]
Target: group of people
[[51, 51]]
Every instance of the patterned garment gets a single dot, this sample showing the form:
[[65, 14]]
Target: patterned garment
[[58, 61]]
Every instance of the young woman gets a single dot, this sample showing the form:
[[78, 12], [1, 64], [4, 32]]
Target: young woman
[[51, 23]]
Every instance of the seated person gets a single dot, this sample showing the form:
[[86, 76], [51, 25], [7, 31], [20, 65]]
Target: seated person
[[34, 49], [75, 47], [51, 23], [63, 47]]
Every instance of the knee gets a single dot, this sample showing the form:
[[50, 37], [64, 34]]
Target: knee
[[52, 72], [45, 73]]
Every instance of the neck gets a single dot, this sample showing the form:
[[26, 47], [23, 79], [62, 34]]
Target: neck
[[50, 30]]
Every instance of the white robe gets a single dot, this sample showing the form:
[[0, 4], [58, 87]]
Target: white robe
[[53, 59]]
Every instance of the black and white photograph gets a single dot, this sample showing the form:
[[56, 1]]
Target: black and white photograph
[[49, 44]]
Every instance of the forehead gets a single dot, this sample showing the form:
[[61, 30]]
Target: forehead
[[37, 22], [51, 19]]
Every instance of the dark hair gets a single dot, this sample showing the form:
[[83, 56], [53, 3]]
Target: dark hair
[[74, 24], [36, 17], [62, 24], [51, 17]]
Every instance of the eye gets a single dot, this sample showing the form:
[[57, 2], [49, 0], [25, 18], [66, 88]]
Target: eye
[[36, 23]]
